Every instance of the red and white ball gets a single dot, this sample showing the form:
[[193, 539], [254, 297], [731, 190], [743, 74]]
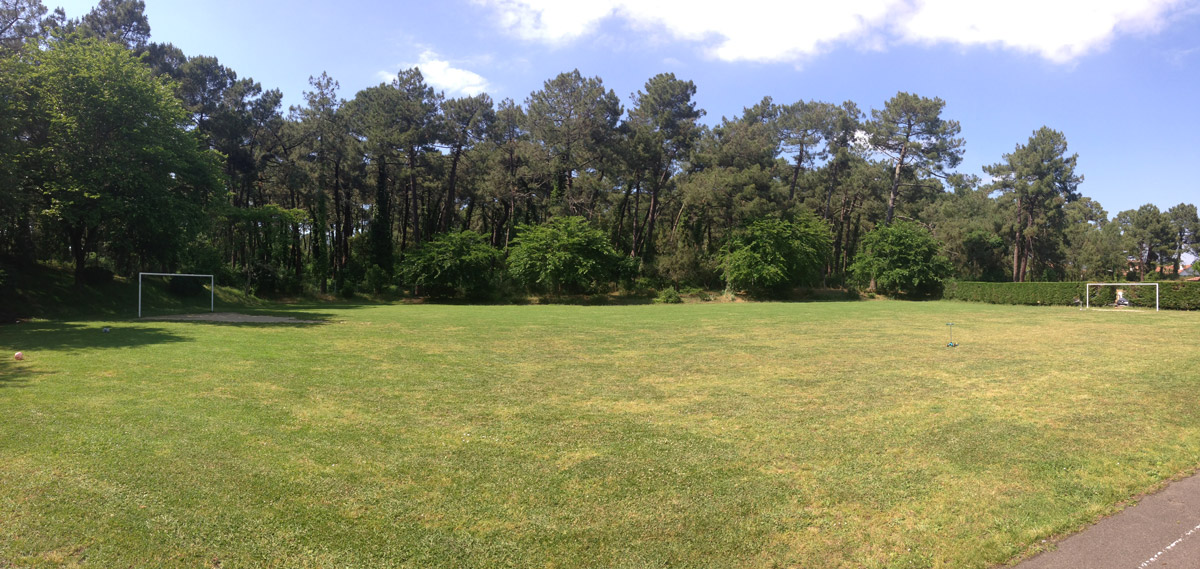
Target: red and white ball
[[19, 356]]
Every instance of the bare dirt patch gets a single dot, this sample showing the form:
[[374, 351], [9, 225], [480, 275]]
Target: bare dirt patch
[[232, 317]]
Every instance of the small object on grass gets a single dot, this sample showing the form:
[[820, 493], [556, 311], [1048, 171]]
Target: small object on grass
[[106, 329], [952, 344], [19, 356]]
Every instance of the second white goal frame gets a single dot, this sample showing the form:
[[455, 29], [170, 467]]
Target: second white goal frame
[[212, 288], [1087, 290]]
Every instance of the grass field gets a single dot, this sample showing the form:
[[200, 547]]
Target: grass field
[[703, 435]]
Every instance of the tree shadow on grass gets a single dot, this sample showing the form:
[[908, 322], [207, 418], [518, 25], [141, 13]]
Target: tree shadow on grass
[[15, 374], [31, 337], [248, 318]]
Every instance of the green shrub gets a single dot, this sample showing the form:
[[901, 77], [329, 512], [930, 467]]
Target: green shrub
[[1184, 295], [452, 264], [375, 279], [566, 254], [1061, 294], [668, 296], [901, 257], [770, 256]]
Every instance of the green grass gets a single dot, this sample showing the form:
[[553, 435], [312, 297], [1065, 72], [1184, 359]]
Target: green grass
[[699, 435]]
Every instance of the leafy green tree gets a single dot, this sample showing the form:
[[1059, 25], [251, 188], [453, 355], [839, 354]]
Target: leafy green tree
[[21, 133], [1147, 235], [1185, 225], [120, 21], [19, 20], [505, 188], [325, 137], [1035, 182], [566, 254], [664, 130], [911, 132], [416, 134], [902, 257], [1096, 250], [468, 122], [803, 127], [118, 166], [574, 121], [969, 226], [375, 116], [770, 256], [452, 264]]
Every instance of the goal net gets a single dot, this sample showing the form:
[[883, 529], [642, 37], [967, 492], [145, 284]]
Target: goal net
[[175, 293], [1121, 295]]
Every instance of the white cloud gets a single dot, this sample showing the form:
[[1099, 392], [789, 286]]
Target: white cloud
[[443, 75], [1055, 30], [757, 30]]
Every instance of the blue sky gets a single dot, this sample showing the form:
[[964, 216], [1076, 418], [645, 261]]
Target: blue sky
[[1120, 78]]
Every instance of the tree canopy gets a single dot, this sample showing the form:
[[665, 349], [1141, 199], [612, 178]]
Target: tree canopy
[[124, 153]]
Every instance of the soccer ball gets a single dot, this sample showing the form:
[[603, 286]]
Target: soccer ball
[[19, 356]]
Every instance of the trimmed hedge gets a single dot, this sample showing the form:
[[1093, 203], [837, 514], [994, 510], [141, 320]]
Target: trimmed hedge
[[1172, 295]]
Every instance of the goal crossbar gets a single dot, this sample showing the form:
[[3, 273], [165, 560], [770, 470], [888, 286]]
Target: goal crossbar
[[212, 288], [1087, 291]]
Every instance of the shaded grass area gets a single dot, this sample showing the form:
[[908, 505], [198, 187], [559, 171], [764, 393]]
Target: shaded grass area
[[703, 435], [38, 291]]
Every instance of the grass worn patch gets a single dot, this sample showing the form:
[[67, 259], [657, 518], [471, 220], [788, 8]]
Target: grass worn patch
[[751, 435]]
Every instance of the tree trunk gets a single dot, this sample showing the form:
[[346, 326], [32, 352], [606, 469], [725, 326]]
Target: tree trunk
[[651, 217], [467, 218], [621, 209], [77, 253], [895, 191], [412, 190], [1018, 243], [796, 176], [381, 222], [336, 245], [448, 213], [637, 228]]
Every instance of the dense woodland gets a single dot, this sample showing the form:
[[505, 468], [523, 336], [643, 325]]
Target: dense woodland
[[125, 154]]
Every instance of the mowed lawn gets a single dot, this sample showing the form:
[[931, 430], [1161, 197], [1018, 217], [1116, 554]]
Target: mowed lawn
[[703, 435]]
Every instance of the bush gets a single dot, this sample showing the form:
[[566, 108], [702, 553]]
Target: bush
[[566, 254], [1183, 295], [452, 264], [1062, 294], [375, 279], [668, 296], [263, 279], [901, 257], [770, 256]]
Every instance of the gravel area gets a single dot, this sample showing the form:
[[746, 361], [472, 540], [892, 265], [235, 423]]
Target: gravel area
[[231, 317]]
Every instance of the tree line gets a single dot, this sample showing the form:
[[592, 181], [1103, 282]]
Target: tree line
[[125, 154]]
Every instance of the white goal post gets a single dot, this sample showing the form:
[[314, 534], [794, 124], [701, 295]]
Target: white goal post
[[1087, 296], [212, 288]]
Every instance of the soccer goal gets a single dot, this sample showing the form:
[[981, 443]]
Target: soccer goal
[[1121, 297], [212, 289]]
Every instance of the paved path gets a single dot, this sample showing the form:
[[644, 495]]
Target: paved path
[[1161, 532]]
